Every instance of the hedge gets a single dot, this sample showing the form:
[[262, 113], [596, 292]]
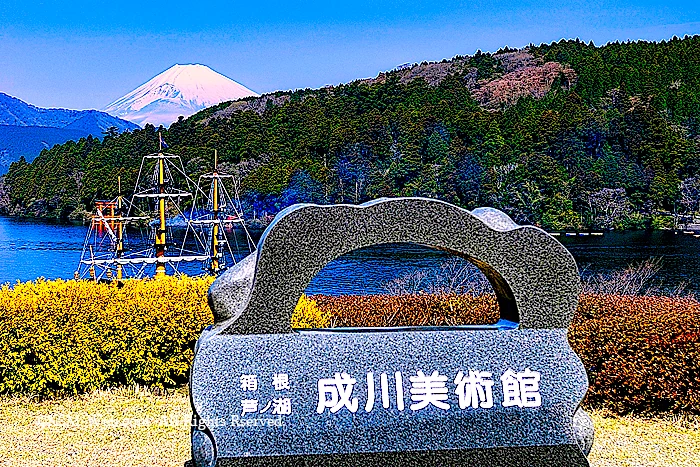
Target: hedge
[[407, 310], [59, 337], [75, 336], [68, 337], [641, 353]]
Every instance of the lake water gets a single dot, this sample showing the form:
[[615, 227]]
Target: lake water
[[30, 249]]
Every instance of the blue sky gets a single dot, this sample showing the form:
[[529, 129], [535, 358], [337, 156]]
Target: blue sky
[[79, 55]]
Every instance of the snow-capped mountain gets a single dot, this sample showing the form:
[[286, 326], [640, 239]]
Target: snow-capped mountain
[[179, 90]]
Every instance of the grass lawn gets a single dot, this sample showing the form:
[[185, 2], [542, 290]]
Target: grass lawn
[[134, 427]]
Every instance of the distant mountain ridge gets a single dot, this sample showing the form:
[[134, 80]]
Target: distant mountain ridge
[[181, 90], [14, 111], [26, 129]]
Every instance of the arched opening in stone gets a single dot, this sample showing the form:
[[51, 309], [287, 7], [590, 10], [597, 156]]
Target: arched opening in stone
[[397, 285]]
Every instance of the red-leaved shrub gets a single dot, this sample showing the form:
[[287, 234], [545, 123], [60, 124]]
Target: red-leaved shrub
[[407, 310], [641, 353]]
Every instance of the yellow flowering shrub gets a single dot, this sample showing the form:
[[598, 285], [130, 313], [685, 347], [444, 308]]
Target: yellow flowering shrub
[[308, 315], [68, 337], [75, 336]]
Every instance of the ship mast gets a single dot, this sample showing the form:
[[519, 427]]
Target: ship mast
[[160, 234], [167, 171], [212, 214], [215, 227], [106, 248], [120, 230]]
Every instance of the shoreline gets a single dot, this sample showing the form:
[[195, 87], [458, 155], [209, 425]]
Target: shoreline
[[261, 226]]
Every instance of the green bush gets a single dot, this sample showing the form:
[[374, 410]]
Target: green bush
[[661, 222]]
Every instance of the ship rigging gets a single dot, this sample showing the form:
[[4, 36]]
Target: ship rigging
[[223, 211], [113, 250]]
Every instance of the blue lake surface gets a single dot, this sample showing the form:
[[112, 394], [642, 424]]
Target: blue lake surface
[[30, 249]]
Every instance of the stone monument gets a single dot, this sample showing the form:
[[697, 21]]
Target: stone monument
[[506, 394]]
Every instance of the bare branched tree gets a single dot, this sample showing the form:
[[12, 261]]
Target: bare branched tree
[[690, 195], [457, 277], [408, 284], [636, 279], [609, 206], [460, 277], [454, 277]]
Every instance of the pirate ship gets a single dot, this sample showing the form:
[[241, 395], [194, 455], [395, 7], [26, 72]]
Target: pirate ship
[[169, 225]]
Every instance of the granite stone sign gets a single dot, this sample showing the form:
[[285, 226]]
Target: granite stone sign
[[506, 394]]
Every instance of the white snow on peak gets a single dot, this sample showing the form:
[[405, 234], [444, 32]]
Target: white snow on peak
[[179, 90]]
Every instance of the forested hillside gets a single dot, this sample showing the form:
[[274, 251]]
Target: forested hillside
[[565, 135]]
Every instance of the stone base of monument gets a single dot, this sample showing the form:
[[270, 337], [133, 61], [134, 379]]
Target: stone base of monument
[[263, 394], [521, 456], [501, 457]]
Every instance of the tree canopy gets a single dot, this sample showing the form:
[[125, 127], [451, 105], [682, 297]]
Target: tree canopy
[[561, 135]]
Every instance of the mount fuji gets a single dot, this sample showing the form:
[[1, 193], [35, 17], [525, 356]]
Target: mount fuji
[[179, 90]]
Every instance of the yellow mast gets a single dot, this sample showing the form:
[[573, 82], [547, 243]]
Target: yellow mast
[[120, 230], [215, 228], [92, 265], [160, 234]]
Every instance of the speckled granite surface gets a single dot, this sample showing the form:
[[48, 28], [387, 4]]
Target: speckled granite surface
[[265, 395], [529, 270]]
